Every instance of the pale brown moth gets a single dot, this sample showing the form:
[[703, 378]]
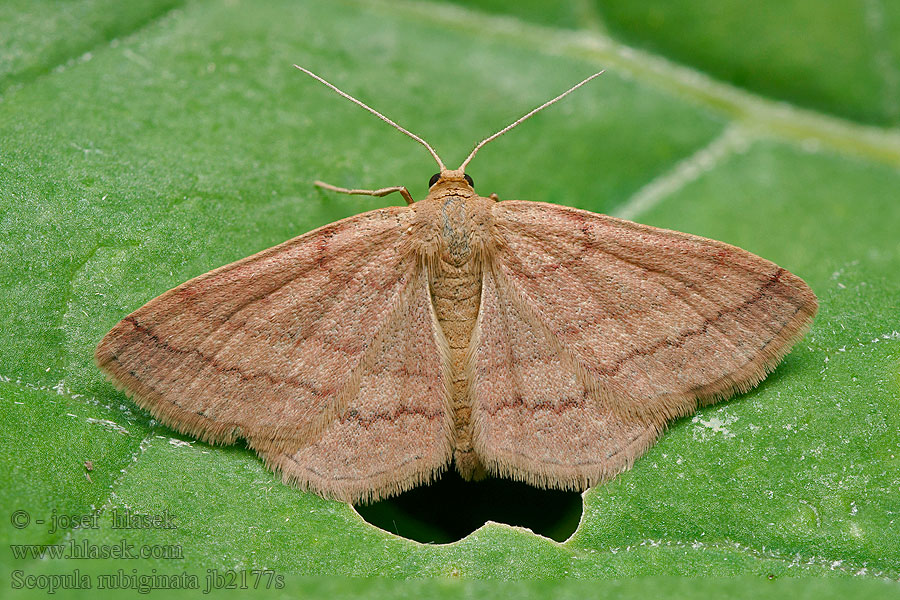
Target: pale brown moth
[[520, 339]]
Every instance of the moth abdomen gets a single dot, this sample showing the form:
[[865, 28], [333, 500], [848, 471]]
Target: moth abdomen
[[456, 296]]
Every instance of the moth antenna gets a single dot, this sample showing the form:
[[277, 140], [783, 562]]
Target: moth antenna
[[378, 114], [462, 167]]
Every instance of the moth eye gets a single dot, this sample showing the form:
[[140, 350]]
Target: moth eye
[[434, 179], [469, 179]]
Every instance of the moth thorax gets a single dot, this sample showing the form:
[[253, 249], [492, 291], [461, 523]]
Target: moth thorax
[[464, 223]]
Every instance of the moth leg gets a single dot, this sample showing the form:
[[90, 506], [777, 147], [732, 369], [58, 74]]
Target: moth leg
[[494, 197], [382, 192]]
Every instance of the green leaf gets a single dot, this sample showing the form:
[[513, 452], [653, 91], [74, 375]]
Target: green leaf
[[40, 35], [841, 57], [157, 144]]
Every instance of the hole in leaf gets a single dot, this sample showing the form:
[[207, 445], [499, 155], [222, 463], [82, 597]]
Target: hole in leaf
[[452, 508]]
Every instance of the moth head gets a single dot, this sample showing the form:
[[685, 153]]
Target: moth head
[[451, 176]]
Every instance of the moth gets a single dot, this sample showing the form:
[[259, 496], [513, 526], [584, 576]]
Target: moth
[[518, 339]]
